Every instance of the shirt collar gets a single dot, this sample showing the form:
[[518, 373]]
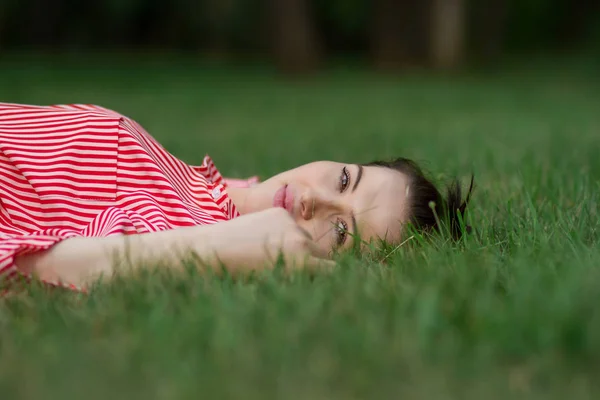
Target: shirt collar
[[217, 187]]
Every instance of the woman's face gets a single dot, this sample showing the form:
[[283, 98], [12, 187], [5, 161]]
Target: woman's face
[[335, 201]]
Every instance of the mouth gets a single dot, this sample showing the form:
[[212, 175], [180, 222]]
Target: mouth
[[284, 198]]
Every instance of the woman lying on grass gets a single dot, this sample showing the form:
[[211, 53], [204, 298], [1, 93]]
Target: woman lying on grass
[[96, 178]]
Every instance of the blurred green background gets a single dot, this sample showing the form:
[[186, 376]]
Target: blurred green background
[[301, 35], [507, 89]]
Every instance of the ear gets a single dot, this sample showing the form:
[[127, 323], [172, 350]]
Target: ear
[[464, 204]]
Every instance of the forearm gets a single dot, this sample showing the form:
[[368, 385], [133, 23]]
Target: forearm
[[82, 260], [250, 242]]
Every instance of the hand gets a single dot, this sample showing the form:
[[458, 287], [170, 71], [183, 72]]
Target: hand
[[256, 240], [249, 242]]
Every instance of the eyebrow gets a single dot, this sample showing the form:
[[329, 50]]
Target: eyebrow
[[356, 182], [358, 177]]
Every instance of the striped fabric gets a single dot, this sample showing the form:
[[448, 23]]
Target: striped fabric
[[83, 170]]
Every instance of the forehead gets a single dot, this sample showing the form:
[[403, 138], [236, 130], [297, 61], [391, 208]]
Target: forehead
[[381, 203]]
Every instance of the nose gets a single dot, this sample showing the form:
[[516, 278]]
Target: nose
[[307, 207], [313, 203]]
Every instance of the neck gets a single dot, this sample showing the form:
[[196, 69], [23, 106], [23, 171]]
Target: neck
[[241, 199]]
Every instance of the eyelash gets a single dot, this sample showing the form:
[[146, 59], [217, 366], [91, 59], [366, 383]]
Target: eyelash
[[341, 229], [344, 176]]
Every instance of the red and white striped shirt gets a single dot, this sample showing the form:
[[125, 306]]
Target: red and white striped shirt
[[83, 170]]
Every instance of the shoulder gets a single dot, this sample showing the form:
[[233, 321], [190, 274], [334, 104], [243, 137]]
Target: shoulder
[[56, 110], [87, 109], [56, 125]]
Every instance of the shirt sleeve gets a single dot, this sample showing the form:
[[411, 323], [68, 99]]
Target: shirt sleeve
[[109, 222], [13, 245], [58, 168]]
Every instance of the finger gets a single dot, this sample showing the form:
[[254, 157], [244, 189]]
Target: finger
[[305, 233], [318, 251], [313, 248], [316, 264]]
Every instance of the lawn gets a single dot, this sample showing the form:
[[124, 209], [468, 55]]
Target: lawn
[[511, 312]]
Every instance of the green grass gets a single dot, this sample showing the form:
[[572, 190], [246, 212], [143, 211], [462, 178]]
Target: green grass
[[513, 312]]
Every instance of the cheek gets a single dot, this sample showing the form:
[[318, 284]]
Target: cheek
[[321, 231], [317, 173], [306, 177]]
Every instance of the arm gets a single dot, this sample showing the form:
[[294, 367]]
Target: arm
[[250, 242], [82, 260]]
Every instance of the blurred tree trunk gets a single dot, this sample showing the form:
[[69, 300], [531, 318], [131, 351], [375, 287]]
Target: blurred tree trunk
[[447, 33], [489, 20], [576, 21], [390, 33], [218, 17], [295, 40], [43, 23], [3, 13]]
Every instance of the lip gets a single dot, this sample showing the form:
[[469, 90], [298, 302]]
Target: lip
[[284, 198]]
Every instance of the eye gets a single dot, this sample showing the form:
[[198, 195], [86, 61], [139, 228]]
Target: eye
[[341, 231], [344, 180]]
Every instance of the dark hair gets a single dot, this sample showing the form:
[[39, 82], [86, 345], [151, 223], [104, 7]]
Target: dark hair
[[428, 208]]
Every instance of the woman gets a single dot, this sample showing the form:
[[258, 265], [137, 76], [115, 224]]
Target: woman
[[85, 189]]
